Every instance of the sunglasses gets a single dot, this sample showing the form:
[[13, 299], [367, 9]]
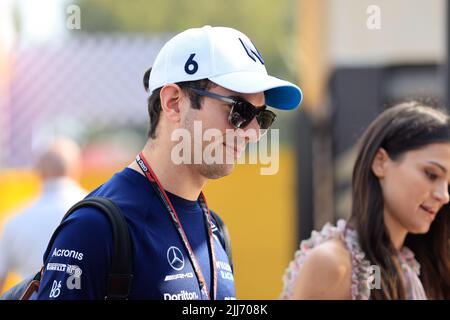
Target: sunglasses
[[242, 112]]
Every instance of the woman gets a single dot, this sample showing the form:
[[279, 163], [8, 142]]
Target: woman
[[396, 243]]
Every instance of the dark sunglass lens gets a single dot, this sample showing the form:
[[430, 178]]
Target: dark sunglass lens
[[236, 120], [241, 114], [245, 109], [265, 119]]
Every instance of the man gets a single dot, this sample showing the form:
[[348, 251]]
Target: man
[[214, 77], [26, 235]]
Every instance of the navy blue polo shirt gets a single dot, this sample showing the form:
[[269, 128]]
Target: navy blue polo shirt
[[78, 263]]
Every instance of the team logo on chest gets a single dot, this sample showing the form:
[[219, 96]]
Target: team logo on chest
[[175, 258]]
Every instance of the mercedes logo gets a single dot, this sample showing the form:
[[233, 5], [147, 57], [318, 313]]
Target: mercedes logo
[[175, 258]]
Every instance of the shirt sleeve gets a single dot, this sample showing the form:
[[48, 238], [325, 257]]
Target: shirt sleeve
[[76, 266]]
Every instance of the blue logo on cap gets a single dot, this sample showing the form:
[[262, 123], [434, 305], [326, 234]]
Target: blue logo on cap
[[252, 54]]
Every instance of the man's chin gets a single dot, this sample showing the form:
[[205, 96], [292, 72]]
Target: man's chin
[[215, 171]]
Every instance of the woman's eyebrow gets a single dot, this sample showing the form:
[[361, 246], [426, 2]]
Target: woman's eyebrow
[[439, 166]]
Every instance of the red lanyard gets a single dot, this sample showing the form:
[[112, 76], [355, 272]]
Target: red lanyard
[[147, 170]]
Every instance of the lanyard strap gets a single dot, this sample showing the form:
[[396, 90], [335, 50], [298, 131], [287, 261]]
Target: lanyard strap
[[147, 170]]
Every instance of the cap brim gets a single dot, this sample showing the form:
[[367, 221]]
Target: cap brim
[[279, 93]]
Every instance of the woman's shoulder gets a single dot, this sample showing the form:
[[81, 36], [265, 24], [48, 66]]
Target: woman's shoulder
[[327, 265], [326, 273], [332, 252]]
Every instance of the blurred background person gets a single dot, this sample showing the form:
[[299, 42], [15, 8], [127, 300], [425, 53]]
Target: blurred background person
[[396, 243], [25, 236]]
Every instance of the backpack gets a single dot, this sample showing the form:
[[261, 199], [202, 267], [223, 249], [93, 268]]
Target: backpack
[[121, 275]]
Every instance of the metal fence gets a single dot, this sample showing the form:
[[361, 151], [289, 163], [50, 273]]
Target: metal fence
[[82, 85]]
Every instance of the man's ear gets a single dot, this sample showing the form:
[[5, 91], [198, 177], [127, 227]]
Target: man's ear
[[171, 97], [379, 163]]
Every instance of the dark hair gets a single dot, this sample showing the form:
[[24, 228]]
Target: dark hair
[[404, 127], [154, 101]]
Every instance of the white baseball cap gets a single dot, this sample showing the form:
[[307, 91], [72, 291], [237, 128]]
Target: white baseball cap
[[225, 56]]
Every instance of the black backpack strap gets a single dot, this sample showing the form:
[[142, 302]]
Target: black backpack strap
[[225, 236], [121, 274]]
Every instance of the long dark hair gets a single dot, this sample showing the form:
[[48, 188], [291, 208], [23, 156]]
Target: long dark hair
[[401, 128]]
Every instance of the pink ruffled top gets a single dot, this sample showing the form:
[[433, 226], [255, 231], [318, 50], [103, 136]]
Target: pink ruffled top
[[362, 270]]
